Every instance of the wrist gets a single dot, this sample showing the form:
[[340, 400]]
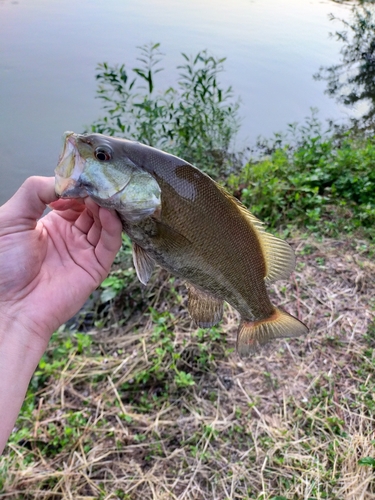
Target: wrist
[[19, 357], [16, 340], [18, 330]]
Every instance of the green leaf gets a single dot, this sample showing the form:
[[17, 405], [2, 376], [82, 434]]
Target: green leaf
[[108, 294], [367, 461]]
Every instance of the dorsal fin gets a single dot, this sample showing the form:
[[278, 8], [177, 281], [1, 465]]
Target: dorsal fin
[[280, 258], [278, 255]]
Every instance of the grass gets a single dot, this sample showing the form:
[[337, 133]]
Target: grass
[[153, 408]]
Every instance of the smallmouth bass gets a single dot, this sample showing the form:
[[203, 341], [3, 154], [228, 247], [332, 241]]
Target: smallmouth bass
[[181, 219]]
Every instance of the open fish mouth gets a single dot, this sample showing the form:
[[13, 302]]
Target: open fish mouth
[[69, 170]]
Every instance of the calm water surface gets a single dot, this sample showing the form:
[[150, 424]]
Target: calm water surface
[[49, 50]]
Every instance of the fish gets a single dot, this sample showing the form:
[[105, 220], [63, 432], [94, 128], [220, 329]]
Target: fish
[[182, 220]]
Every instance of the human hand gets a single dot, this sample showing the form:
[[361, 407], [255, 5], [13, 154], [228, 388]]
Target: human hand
[[48, 268], [50, 265]]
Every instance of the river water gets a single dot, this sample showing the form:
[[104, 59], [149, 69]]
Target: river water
[[49, 50]]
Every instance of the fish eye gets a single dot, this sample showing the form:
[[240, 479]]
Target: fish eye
[[103, 154]]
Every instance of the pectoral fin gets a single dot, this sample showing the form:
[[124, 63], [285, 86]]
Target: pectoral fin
[[143, 263], [169, 239], [205, 309]]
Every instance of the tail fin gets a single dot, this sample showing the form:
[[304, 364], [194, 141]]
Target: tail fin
[[254, 334]]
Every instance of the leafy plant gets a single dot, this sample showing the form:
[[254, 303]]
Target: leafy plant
[[195, 119], [369, 461], [320, 182], [183, 379]]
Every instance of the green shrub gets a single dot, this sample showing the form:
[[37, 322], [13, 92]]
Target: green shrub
[[196, 119], [321, 183]]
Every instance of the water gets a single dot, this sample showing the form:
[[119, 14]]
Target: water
[[49, 50]]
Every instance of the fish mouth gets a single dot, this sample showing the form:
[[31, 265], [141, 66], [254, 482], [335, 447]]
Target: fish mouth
[[69, 170], [69, 188]]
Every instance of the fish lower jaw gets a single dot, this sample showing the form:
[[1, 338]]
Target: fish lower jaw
[[69, 188]]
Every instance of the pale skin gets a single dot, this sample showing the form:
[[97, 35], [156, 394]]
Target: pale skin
[[48, 268]]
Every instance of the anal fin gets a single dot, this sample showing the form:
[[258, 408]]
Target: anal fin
[[205, 309], [143, 263], [252, 335]]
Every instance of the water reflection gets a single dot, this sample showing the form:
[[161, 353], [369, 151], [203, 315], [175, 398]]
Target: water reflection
[[352, 81]]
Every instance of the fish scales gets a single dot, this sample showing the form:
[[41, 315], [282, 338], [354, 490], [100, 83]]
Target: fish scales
[[214, 224], [194, 229], [215, 227]]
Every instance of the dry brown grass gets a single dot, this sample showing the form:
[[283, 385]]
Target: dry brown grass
[[115, 422]]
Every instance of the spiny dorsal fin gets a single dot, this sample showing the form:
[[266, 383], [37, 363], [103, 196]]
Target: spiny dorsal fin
[[279, 256]]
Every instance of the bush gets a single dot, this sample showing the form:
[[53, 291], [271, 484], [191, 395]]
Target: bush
[[321, 183], [196, 120]]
